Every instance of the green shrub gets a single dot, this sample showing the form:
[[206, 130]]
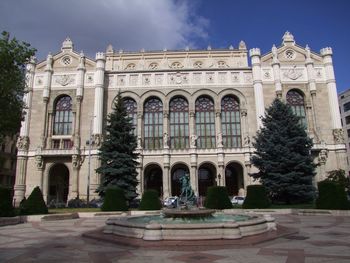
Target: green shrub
[[6, 208], [114, 200], [217, 198], [256, 197], [35, 204], [150, 200], [331, 195]]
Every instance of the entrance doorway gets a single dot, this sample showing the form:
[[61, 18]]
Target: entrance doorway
[[153, 178], [234, 178], [58, 184], [206, 178]]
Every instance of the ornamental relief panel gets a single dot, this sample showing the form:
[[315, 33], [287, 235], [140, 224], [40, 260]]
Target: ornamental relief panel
[[293, 73], [64, 80]]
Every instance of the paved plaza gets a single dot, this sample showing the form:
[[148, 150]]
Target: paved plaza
[[323, 238]]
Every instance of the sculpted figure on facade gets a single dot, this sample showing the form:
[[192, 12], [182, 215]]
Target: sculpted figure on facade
[[194, 141], [39, 162], [322, 157], [219, 140], [166, 140], [246, 141], [338, 135], [139, 142], [76, 161], [23, 143]]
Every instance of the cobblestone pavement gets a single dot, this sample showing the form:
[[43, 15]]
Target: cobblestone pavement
[[320, 239]]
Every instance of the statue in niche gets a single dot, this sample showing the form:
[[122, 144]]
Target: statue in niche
[[193, 140], [219, 140], [166, 140]]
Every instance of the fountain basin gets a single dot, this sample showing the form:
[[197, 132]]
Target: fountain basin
[[220, 226]]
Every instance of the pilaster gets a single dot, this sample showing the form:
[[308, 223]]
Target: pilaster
[[99, 84]]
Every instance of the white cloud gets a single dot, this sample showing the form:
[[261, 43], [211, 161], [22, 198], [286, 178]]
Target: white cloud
[[92, 25]]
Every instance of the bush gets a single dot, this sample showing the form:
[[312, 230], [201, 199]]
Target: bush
[[217, 198], [114, 200], [256, 197], [6, 208], [331, 195], [77, 203], [150, 200], [35, 204]]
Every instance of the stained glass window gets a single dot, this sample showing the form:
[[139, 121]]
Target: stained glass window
[[63, 116], [296, 101], [131, 108], [179, 135], [230, 122], [205, 122], [153, 124]]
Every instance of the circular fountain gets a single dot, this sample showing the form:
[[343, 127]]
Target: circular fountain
[[189, 223]]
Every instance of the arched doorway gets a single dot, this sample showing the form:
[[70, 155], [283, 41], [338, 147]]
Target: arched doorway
[[234, 178], [206, 178], [153, 178], [58, 184], [177, 172]]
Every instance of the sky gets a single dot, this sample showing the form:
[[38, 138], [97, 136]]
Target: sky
[[176, 24]]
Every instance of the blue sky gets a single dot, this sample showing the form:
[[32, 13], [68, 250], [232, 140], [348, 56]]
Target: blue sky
[[175, 24]]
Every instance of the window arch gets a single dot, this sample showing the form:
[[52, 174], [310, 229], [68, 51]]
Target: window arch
[[296, 100], [131, 109], [230, 122], [205, 122], [179, 135], [63, 118], [153, 124]]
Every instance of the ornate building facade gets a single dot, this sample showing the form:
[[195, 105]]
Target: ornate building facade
[[194, 111]]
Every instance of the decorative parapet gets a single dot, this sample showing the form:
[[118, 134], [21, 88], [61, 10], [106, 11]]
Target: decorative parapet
[[326, 51]]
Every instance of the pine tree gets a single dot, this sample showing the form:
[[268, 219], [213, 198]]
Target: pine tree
[[117, 153], [283, 156]]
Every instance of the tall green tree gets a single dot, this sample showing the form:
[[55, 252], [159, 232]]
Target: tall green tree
[[283, 156], [117, 153], [14, 55]]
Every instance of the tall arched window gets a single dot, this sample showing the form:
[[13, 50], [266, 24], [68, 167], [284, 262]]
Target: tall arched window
[[131, 108], [296, 100], [179, 137], [153, 124], [205, 122], [63, 116], [230, 122]]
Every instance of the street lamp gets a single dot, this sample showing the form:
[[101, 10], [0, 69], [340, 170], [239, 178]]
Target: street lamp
[[89, 142]]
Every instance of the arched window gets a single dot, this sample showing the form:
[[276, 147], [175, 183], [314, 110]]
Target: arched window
[[296, 101], [131, 108], [205, 122], [63, 116], [230, 122], [179, 137], [153, 124]]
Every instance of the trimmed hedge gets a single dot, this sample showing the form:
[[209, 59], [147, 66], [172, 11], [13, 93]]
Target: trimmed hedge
[[217, 198], [331, 195], [150, 200], [114, 200], [35, 204], [6, 208], [256, 197]]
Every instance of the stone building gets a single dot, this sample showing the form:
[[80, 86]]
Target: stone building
[[344, 108], [194, 111]]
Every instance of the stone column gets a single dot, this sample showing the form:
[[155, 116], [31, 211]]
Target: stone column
[[46, 96], [98, 105], [276, 72], [166, 174], [244, 128], [257, 83], [79, 97], [139, 188], [194, 171], [23, 139], [139, 130], [166, 142]]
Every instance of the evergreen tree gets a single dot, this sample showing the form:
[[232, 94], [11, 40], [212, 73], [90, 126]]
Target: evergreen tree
[[117, 153], [283, 156]]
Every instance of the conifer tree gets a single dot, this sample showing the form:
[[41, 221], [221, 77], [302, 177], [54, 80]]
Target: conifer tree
[[117, 153], [283, 156]]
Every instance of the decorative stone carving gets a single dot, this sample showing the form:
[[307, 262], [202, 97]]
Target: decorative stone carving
[[219, 140], [76, 161], [267, 74], [293, 73], [176, 65], [235, 76], [241, 45], [130, 66], [23, 143], [246, 141], [193, 141], [198, 64], [121, 80], [146, 79], [322, 157], [222, 64], [139, 143], [97, 139], [244, 112], [166, 140], [210, 78], [90, 78], [65, 80], [153, 65], [39, 80], [338, 135], [39, 162]]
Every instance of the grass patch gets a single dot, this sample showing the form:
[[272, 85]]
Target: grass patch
[[72, 210]]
